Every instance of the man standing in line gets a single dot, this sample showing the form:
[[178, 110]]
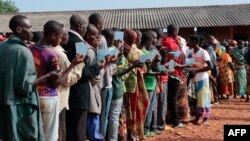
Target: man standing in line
[[106, 85], [20, 117], [175, 78], [80, 92]]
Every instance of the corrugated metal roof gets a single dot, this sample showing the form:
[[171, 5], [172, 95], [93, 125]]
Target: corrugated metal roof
[[147, 18]]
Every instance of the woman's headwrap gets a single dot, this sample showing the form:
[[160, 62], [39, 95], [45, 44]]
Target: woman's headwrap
[[130, 36], [233, 43]]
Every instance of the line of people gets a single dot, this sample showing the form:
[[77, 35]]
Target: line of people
[[50, 92]]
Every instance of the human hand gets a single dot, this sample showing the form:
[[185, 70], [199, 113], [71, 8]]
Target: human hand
[[188, 66], [54, 75], [107, 58], [171, 70], [157, 59], [101, 64], [138, 64], [193, 72], [78, 59], [148, 62], [113, 58], [164, 72]]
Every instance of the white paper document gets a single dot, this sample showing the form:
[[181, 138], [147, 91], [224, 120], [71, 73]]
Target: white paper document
[[189, 53], [177, 54], [171, 64], [101, 53], [113, 51], [119, 35], [81, 48], [189, 61]]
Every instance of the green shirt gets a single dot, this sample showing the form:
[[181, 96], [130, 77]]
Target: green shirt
[[118, 87], [150, 81], [17, 73], [19, 105]]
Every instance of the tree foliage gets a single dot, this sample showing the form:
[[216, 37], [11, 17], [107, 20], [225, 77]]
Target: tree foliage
[[7, 6]]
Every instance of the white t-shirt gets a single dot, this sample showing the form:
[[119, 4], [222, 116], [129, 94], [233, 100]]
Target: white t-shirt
[[107, 77], [201, 56]]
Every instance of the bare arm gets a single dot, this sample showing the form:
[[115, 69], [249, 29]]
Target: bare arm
[[182, 66], [130, 68], [44, 79], [41, 79], [207, 68]]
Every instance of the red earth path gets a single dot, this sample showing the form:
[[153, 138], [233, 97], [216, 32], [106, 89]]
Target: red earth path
[[236, 112]]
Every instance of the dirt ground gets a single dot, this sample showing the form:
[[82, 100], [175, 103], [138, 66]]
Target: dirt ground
[[236, 112]]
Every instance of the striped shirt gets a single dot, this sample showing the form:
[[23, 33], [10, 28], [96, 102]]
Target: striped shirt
[[46, 60]]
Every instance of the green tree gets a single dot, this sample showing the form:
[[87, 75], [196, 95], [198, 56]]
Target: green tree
[[7, 6]]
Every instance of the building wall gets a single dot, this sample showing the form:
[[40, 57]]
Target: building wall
[[221, 33], [236, 33], [186, 32], [242, 32]]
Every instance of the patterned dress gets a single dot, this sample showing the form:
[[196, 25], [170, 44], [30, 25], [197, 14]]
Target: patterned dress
[[248, 80], [226, 76], [136, 98], [240, 75], [201, 83]]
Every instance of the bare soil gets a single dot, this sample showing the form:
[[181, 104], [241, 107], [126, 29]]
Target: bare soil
[[225, 113]]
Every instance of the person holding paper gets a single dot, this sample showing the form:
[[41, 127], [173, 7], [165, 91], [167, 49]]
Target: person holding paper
[[106, 84], [136, 98], [150, 81], [118, 92], [112, 49], [201, 80], [70, 79], [117, 84], [175, 78], [78, 95], [214, 83], [93, 84], [47, 60], [159, 33]]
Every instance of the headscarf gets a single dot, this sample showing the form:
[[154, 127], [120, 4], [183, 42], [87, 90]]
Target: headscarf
[[130, 36], [226, 57], [233, 43]]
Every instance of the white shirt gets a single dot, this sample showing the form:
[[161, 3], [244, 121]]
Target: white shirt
[[107, 78], [77, 34], [73, 76], [201, 56]]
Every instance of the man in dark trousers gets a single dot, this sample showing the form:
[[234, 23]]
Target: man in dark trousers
[[79, 93], [175, 78]]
